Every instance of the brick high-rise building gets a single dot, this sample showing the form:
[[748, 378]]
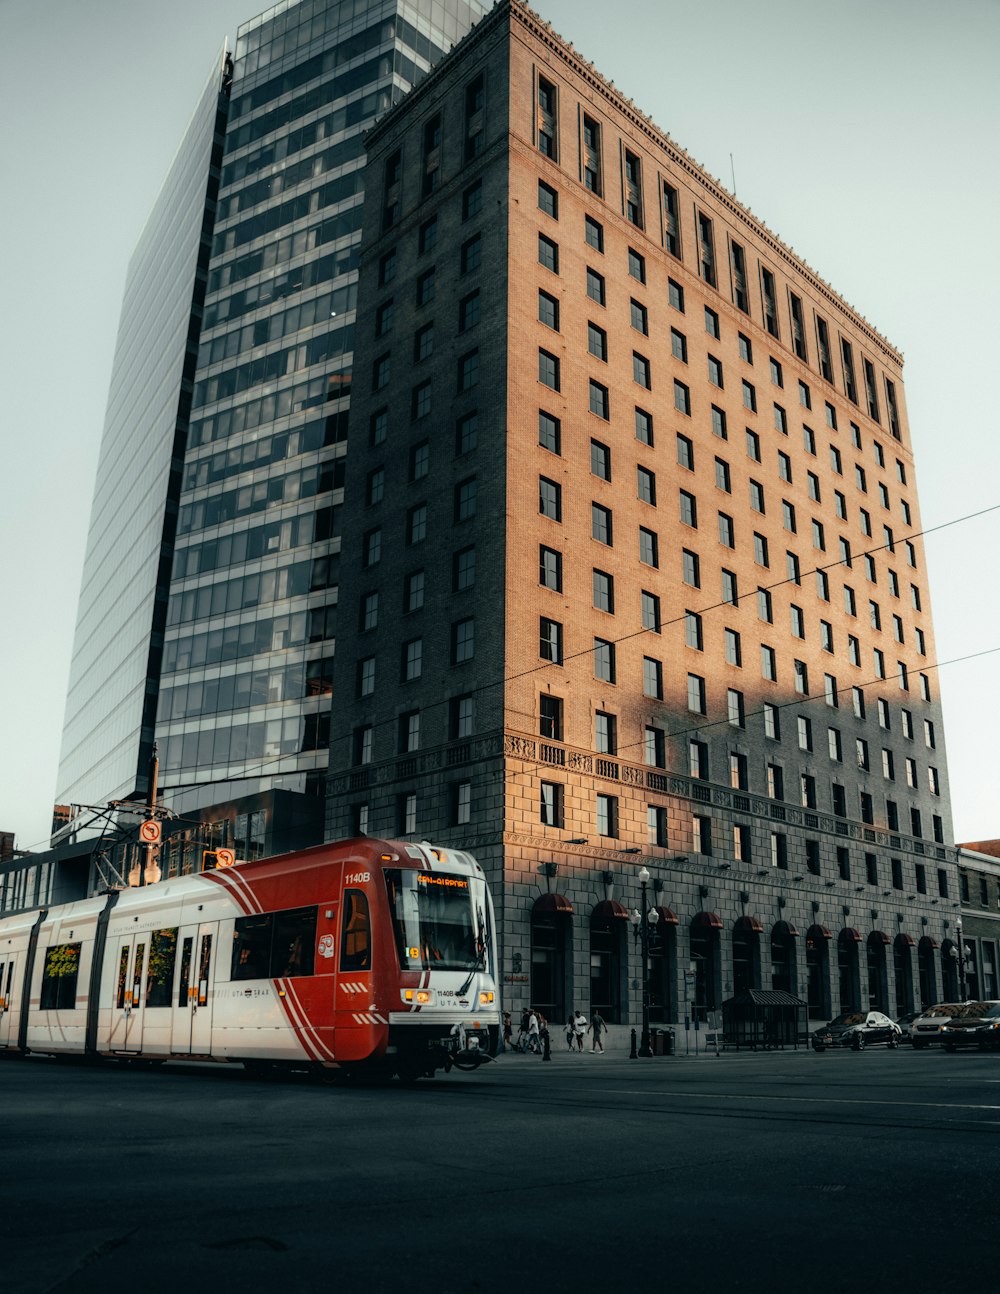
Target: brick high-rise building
[[632, 570]]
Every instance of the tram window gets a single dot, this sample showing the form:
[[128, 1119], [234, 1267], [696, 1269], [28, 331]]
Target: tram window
[[59, 976], [140, 956], [160, 972], [252, 947], [204, 963], [274, 945], [185, 981], [293, 942], [355, 939], [122, 978]]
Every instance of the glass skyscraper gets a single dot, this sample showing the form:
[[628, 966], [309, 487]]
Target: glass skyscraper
[[209, 596]]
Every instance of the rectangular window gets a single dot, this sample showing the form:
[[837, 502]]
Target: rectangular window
[[696, 694], [549, 432], [601, 524], [682, 398], [652, 678], [597, 341], [548, 253], [701, 834], [650, 603], [548, 200], [690, 568], [548, 310], [550, 640], [675, 294], [641, 372], [769, 300], [605, 733], [592, 167], [547, 124], [604, 660], [471, 254], [550, 717], [599, 401], [461, 717], [736, 708], [639, 317], [719, 423], [551, 804], [604, 592], [633, 189], [648, 547], [688, 509], [548, 369], [607, 815], [706, 249], [636, 265], [549, 498], [595, 286], [741, 298], [644, 427], [593, 233], [550, 568], [412, 660], [463, 641], [671, 220], [656, 747], [768, 663], [646, 485]]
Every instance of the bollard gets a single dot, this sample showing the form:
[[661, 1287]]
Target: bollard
[[546, 1052], [633, 1054]]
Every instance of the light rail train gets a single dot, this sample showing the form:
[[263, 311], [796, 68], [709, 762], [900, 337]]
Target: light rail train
[[361, 954]]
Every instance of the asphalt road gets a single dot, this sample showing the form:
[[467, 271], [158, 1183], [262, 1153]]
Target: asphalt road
[[771, 1172]]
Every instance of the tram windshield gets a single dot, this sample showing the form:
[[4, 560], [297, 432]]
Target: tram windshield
[[432, 920]]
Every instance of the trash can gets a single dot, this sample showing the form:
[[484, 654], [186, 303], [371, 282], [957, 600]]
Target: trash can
[[663, 1042]]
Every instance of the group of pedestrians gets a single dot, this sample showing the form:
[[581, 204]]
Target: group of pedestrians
[[534, 1031]]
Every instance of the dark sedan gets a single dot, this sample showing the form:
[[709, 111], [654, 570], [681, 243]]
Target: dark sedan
[[857, 1030], [975, 1024]]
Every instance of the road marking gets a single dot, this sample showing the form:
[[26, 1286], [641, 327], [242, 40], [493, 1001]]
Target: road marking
[[801, 1100]]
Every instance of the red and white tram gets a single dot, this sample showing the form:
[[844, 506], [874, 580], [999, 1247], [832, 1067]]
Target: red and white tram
[[358, 954]]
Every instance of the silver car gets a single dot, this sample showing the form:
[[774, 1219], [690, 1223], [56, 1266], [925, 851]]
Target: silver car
[[926, 1028]]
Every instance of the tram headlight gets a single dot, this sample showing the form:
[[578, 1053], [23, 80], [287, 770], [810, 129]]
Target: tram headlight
[[486, 998], [418, 996]]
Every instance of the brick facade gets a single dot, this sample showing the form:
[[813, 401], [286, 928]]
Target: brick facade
[[675, 347]]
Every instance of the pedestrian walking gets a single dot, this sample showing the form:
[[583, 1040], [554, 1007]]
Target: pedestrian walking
[[579, 1028], [597, 1027], [506, 1031], [571, 1031], [533, 1041]]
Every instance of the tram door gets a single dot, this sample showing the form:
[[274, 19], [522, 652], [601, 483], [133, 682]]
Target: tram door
[[128, 1004], [8, 984], [192, 1032]]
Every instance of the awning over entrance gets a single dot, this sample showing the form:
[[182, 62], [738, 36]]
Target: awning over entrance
[[667, 916], [879, 936], [749, 925], [927, 944], [785, 928], [818, 932], [708, 919], [852, 934], [905, 940], [608, 909], [553, 903]]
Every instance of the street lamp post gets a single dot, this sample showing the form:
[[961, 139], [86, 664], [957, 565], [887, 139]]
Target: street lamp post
[[643, 920]]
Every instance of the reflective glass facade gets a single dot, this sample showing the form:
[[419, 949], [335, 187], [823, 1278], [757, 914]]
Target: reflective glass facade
[[245, 695], [110, 709]]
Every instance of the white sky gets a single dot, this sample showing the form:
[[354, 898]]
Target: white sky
[[864, 134]]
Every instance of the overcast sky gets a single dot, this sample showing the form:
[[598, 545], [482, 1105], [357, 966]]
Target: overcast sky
[[864, 134]]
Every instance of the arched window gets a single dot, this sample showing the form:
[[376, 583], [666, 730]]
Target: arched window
[[926, 971], [902, 966], [746, 954], [707, 961], [818, 972], [551, 955], [848, 970], [949, 971], [878, 978], [663, 967], [784, 972], [608, 924]]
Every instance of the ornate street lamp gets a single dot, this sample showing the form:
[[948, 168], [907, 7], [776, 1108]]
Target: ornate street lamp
[[644, 920]]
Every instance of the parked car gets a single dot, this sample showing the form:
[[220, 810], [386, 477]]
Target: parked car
[[905, 1022], [857, 1029], [926, 1028], [975, 1024]]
